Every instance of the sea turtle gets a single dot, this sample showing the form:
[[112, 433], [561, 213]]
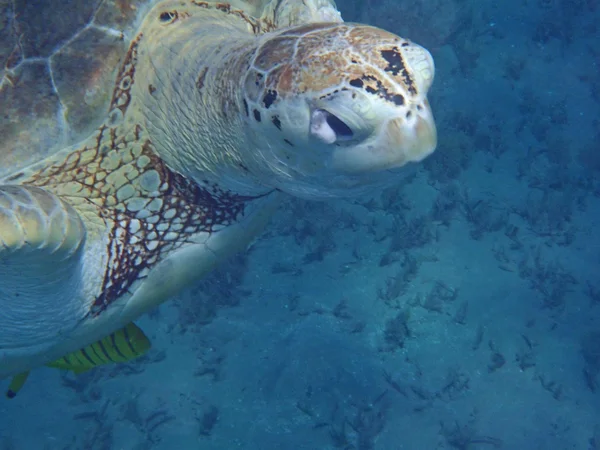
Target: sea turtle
[[215, 112]]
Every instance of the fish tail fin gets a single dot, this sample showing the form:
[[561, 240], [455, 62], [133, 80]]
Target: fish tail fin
[[16, 384]]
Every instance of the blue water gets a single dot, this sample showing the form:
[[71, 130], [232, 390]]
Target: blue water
[[460, 310]]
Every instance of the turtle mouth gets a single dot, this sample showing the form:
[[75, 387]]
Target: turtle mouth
[[328, 127]]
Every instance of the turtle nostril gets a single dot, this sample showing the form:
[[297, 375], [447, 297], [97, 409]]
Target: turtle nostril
[[338, 126]]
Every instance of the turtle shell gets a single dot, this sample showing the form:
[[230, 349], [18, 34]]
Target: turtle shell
[[58, 61], [57, 64]]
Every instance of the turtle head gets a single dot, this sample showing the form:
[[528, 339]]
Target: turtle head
[[339, 109]]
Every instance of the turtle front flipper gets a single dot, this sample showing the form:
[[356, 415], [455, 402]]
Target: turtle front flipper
[[41, 238]]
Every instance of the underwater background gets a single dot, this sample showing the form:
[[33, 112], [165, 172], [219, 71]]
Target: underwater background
[[459, 310]]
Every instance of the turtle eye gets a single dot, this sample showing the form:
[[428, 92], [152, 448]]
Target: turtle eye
[[168, 17], [338, 126], [329, 128]]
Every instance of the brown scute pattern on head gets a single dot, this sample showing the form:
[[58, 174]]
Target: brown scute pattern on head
[[125, 78], [387, 55], [328, 58], [373, 85], [396, 66], [275, 51], [148, 209], [282, 80]]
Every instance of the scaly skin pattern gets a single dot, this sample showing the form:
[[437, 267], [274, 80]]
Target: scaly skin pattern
[[214, 114]]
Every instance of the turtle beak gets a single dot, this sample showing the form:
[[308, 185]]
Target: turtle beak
[[397, 142]]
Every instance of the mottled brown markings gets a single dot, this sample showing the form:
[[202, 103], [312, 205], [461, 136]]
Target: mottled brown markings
[[295, 62], [313, 68], [327, 75], [275, 51], [281, 79], [387, 55], [121, 94], [396, 66], [394, 60], [374, 85], [201, 78]]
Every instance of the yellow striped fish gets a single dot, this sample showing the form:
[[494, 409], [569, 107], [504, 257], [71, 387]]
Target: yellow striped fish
[[121, 346]]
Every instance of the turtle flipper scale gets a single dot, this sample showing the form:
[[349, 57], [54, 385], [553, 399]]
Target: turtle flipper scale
[[33, 220], [41, 241]]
